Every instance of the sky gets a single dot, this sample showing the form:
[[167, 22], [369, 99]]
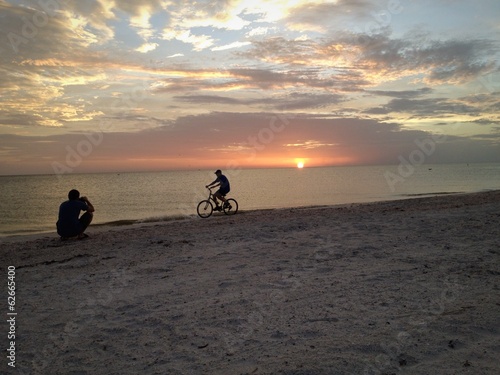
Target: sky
[[145, 85]]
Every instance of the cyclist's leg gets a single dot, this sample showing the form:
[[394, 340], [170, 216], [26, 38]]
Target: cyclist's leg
[[220, 196], [216, 195]]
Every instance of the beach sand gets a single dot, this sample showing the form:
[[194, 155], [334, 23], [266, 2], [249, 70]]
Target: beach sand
[[399, 287]]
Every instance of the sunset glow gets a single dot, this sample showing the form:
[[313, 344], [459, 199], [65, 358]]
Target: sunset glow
[[173, 85]]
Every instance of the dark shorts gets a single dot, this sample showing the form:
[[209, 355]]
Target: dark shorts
[[83, 222], [222, 192]]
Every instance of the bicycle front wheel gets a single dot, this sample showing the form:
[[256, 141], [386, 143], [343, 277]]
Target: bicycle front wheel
[[205, 209], [231, 207]]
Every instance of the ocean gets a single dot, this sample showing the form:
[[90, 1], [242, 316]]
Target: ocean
[[30, 203]]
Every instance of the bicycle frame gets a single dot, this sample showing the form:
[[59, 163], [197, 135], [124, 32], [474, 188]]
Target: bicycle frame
[[211, 196], [205, 207]]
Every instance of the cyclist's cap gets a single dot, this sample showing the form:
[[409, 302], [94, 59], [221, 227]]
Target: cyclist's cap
[[218, 171]]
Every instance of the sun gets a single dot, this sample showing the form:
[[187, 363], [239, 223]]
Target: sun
[[300, 164]]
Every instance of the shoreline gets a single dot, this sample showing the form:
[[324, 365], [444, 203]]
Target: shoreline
[[130, 223], [408, 285]]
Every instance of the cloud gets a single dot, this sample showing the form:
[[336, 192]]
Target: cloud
[[449, 61], [199, 42], [243, 139], [242, 79], [291, 101], [486, 121], [185, 16], [209, 99], [11, 118], [311, 144], [404, 94], [371, 59], [434, 107], [321, 16], [221, 14], [261, 30], [313, 78], [36, 65], [278, 49], [305, 101], [140, 21], [231, 46], [147, 47]]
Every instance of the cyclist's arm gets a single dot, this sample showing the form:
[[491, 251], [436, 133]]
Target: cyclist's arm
[[214, 183]]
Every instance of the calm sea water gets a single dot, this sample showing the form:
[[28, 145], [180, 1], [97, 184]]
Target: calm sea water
[[30, 203]]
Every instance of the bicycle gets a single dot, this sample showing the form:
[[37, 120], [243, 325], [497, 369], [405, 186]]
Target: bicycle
[[206, 207]]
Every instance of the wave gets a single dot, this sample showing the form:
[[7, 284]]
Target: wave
[[428, 194], [155, 219]]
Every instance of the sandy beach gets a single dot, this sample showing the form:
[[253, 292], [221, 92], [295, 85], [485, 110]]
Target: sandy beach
[[399, 287]]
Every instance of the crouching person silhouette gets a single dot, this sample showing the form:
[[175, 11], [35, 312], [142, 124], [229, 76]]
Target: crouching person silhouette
[[69, 224]]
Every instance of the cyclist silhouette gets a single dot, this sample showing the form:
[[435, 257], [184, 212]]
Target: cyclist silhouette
[[225, 188]]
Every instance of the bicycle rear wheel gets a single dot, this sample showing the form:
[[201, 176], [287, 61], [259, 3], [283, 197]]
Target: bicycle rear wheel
[[231, 207], [205, 209]]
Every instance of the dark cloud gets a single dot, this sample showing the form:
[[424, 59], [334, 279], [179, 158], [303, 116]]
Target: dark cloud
[[303, 101], [424, 107], [406, 94], [291, 101], [13, 118], [265, 80], [495, 137], [448, 61], [208, 99], [306, 66], [269, 79], [280, 49], [485, 121]]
